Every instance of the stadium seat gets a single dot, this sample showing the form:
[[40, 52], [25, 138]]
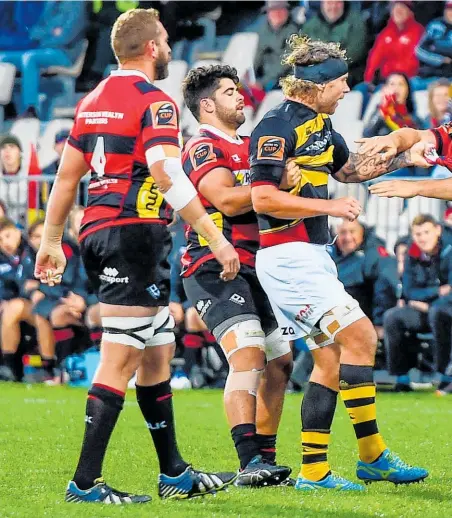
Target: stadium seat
[[7, 76], [421, 205], [63, 105], [349, 108], [241, 51], [421, 101], [172, 84], [371, 107], [189, 125], [247, 127], [388, 218], [46, 153], [27, 130], [272, 99]]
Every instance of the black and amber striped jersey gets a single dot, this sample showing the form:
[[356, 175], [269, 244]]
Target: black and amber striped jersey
[[209, 150], [292, 130], [115, 125]]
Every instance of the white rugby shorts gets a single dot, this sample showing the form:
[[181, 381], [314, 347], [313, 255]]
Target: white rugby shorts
[[301, 282]]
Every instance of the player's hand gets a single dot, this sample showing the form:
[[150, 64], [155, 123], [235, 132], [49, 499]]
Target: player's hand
[[291, 175], [50, 263], [383, 145], [177, 312], [395, 188], [229, 259], [347, 208]]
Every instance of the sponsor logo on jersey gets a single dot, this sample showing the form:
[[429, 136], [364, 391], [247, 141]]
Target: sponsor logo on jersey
[[202, 306], [270, 148], [237, 299], [202, 154], [110, 275], [153, 291], [164, 115]]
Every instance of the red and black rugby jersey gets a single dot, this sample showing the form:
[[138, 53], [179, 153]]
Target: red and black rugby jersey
[[204, 152], [115, 124]]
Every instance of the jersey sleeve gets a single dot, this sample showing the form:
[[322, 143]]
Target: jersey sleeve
[[340, 152], [202, 157], [272, 143], [160, 123], [443, 136], [74, 135]]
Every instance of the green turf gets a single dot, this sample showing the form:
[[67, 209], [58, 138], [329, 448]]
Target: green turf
[[41, 430]]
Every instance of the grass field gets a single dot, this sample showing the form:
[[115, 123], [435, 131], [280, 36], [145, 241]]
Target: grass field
[[41, 430]]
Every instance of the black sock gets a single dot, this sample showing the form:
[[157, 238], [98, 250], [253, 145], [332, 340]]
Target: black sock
[[356, 374], [245, 441], [10, 361], [267, 446], [156, 405], [102, 411]]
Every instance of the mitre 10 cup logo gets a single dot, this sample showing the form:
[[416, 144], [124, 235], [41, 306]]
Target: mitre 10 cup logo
[[270, 148], [202, 154], [164, 115]]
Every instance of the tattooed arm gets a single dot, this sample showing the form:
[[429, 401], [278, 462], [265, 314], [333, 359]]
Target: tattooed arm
[[363, 167]]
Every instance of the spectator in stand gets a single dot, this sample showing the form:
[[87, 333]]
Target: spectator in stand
[[439, 104], [272, 39], [15, 255], [60, 140], [55, 308], [337, 21], [361, 258], [394, 48], [435, 50], [58, 40], [447, 225], [396, 109], [13, 177], [16, 20], [426, 285]]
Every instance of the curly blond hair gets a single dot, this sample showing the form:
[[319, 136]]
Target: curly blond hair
[[304, 51]]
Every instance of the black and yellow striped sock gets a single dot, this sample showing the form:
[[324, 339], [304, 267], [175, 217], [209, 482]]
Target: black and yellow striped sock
[[317, 412], [358, 393], [314, 446]]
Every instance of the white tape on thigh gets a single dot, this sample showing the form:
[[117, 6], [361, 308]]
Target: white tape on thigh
[[275, 346], [134, 331], [244, 380], [163, 329], [247, 334], [339, 318]]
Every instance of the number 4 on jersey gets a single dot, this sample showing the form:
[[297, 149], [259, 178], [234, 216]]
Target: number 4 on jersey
[[99, 160]]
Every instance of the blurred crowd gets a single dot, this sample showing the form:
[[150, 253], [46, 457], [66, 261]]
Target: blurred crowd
[[395, 48]]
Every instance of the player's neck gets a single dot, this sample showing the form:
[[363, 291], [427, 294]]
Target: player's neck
[[230, 132], [312, 105], [144, 68]]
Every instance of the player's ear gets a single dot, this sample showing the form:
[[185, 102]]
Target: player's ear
[[208, 105], [151, 49]]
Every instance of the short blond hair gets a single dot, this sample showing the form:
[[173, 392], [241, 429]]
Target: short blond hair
[[131, 32], [304, 51]]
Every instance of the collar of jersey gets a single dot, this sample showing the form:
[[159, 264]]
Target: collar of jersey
[[221, 134], [126, 73]]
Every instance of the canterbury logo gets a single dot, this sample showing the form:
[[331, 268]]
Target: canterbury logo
[[111, 272]]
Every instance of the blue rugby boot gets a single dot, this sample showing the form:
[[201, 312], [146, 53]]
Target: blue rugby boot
[[391, 468], [331, 481], [103, 494], [192, 483]]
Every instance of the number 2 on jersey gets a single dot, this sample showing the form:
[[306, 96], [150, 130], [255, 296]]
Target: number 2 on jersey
[[99, 160]]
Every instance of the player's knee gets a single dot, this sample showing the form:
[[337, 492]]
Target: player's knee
[[244, 342], [13, 310], [193, 322], [59, 317]]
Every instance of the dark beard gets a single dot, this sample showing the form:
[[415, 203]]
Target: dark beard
[[231, 118], [161, 69]]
